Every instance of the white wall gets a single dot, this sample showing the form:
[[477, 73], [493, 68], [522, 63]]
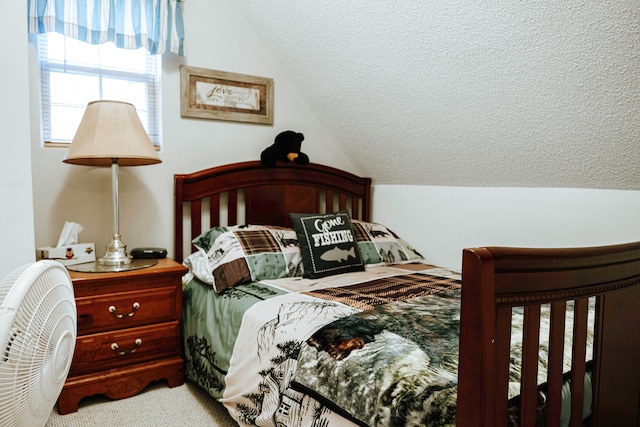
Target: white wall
[[16, 215], [441, 221], [216, 39]]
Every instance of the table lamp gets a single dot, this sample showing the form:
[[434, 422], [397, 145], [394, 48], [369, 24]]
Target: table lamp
[[111, 134]]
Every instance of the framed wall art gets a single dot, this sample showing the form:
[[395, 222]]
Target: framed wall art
[[220, 95]]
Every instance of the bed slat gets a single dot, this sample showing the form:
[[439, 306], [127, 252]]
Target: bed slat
[[232, 207], [578, 362], [342, 201], [503, 358], [529, 382], [355, 208], [328, 201], [214, 210], [196, 218], [556, 356]]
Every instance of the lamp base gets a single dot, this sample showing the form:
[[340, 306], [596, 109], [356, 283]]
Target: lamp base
[[116, 253], [95, 267]]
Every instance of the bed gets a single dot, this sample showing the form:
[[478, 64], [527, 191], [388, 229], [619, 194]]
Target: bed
[[394, 341]]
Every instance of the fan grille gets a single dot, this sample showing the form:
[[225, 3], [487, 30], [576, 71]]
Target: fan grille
[[38, 346]]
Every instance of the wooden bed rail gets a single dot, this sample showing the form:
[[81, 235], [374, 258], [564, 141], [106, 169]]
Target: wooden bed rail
[[496, 279]]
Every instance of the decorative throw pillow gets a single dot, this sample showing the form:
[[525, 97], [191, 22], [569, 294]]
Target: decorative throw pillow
[[378, 244], [254, 252], [327, 244]]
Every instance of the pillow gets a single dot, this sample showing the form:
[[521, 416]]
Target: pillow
[[206, 239], [327, 244], [247, 253], [198, 267], [378, 244]]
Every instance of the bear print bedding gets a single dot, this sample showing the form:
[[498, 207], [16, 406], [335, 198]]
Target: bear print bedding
[[377, 347]]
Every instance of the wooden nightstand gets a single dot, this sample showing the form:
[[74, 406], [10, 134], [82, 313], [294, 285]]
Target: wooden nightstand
[[129, 332]]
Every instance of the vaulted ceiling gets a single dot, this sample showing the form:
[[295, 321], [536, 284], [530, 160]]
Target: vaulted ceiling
[[469, 93]]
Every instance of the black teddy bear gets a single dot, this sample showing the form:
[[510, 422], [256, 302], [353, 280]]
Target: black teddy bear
[[286, 148]]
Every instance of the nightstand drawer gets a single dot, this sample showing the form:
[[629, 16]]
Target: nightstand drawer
[[125, 309], [125, 347]]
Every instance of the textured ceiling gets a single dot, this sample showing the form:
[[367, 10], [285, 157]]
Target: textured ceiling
[[478, 93]]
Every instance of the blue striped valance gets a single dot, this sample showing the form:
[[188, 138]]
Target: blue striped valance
[[131, 24]]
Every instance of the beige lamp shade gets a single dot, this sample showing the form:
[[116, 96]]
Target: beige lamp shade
[[111, 131]]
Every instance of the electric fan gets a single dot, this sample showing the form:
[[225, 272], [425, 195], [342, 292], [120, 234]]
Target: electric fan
[[37, 340]]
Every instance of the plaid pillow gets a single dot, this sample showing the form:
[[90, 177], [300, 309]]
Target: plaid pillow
[[254, 252], [327, 244], [378, 244]]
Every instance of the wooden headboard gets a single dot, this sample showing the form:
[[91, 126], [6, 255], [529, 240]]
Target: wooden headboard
[[249, 193]]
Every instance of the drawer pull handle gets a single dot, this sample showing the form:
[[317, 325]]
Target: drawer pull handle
[[113, 310], [136, 343]]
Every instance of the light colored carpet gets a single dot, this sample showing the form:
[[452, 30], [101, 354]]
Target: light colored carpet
[[157, 406]]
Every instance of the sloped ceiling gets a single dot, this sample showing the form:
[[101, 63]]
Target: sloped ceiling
[[468, 93]]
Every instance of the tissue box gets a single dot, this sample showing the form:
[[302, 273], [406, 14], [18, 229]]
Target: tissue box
[[69, 254]]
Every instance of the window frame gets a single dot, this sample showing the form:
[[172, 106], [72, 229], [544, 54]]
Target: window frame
[[151, 81]]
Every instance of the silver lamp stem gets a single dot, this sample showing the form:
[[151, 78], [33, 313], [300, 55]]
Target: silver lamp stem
[[114, 193], [116, 251]]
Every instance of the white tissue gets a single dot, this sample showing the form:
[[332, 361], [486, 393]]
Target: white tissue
[[69, 234]]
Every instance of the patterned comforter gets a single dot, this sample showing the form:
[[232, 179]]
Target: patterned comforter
[[377, 348]]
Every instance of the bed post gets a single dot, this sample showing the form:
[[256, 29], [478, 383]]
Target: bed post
[[477, 338], [617, 378], [178, 218]]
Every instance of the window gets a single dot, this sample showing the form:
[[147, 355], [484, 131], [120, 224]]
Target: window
[[74, 73]]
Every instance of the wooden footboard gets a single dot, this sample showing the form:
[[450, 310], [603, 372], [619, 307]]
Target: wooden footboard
[[494, 280]]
